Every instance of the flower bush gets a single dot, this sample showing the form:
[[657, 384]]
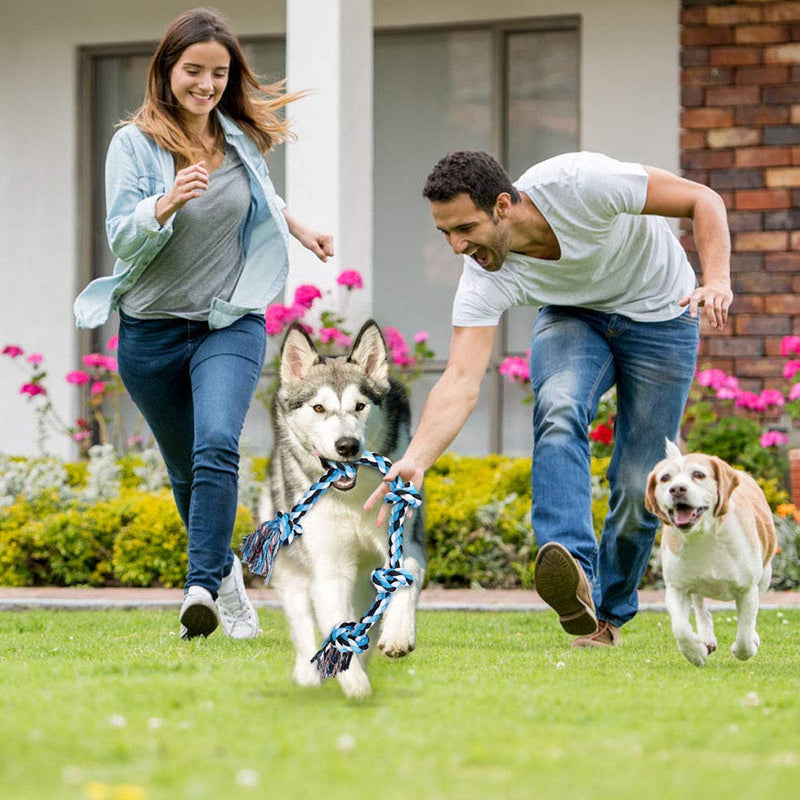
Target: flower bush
[[747, 429], [331, 337], [102, 422]]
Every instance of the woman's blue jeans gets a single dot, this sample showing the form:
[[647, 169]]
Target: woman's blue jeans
[[193, 386], [576, 356]]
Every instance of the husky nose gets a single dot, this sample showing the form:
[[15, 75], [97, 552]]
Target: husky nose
[[347, 446]]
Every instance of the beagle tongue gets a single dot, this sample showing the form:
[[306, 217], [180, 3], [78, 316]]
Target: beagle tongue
[[684, 515]]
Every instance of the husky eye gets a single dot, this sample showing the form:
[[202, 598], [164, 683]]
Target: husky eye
[[360, 406], [320, 409]]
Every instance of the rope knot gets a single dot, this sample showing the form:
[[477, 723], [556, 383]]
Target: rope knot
[[390, 579], [402, 492]]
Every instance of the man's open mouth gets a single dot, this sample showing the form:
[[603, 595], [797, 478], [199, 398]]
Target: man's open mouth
[[684, 516]]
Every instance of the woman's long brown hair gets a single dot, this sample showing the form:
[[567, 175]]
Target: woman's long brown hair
[[247, 102]]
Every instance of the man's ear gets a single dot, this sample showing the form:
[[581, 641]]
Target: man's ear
[[502, 204]]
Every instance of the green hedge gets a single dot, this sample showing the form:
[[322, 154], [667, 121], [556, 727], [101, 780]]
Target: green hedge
[[476, 511]]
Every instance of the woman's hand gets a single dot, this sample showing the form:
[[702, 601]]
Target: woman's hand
[[189, 182], [320, 244]]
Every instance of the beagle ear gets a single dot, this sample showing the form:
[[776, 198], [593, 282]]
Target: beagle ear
[[727, 480], [672, 449], [650, 502]]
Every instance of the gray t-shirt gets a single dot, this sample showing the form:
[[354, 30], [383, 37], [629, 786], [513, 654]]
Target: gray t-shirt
[[203, 258], [613, 258]]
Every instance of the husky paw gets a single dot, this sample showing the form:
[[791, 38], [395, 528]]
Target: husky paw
[[694, 650], [396, 648], [355, 684], [744, 648], [306, 674]]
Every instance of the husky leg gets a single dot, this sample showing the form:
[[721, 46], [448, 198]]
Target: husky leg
[[296, 602], [332, 595], [399, 630]]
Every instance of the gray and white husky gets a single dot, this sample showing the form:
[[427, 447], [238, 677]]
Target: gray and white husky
[[335, 408]]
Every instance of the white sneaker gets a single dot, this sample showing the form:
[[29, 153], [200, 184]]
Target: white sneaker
[[199, 615], [238, 617]]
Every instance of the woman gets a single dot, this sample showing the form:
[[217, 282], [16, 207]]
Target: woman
[[201, 242]]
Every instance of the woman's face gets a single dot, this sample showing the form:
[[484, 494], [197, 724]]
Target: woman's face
[[199, 78]]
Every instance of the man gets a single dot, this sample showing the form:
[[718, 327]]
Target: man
[[581, 236]]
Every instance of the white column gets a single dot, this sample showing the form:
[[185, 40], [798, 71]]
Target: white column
[[329, 167]]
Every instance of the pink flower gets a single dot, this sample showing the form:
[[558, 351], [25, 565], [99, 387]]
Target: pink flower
[[113, 343], [35, 359], [306, 294], [12, 351], [293, 312], [794, 392], [79, 377], [80, 436], [713, 378], [789, 345], [749, 400], [351, 279], [421, 336], [97, 387], [32, 389], [772, 397], [94, 360], [515, 368], [773, 439], [790, 369], [327, 335], [275, 318]]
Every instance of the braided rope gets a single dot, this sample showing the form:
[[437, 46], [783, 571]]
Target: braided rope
[[261, 547]]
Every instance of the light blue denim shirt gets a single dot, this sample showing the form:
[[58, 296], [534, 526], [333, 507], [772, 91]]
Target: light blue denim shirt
[[138, 172]]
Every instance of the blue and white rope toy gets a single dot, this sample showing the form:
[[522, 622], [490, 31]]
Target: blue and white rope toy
[[260, 548]]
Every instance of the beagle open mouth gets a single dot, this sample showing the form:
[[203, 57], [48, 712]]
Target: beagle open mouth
[[684, 516]]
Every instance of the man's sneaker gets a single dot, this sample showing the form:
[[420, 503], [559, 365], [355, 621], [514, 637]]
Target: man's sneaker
[[199, 615], [606, 635], [238, 617], [561, 583]]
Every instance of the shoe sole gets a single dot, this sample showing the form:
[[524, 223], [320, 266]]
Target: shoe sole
[[557, 577], [198, 620]]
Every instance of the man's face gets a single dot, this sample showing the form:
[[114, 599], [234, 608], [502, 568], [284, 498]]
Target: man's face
[[471, 231]]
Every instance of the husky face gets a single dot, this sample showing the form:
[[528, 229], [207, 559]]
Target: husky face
[[332, 406]]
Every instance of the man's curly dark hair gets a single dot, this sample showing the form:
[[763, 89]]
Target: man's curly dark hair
[[471, 172]]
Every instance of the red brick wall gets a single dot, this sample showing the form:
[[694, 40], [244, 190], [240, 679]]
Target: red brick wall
[[740, 134]]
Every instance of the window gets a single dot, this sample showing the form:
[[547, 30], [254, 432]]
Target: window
[[510, 89]]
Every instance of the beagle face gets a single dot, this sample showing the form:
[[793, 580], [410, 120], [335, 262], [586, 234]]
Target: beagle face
[[683, 491]]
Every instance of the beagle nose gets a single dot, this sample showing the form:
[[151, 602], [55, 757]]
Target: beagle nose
[[347, 446], [677, 489]]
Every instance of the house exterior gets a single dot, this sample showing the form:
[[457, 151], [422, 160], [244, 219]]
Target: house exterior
[[707, 88]]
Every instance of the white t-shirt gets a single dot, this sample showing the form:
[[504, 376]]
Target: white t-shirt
[[613, 258]]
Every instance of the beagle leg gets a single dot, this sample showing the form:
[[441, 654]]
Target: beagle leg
[[705, 624], [689, 643]]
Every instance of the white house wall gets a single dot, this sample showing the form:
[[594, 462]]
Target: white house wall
[[629, 108]]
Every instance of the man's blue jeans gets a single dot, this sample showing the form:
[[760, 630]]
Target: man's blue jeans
[[193, 386], [576, 356]]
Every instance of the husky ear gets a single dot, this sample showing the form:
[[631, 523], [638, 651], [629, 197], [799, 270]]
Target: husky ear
[[672, 450], [298, 354], [370, 353]]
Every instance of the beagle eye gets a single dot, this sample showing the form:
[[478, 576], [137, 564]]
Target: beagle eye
[[698, 475], [360, 406], [320, 409], [665, 477]]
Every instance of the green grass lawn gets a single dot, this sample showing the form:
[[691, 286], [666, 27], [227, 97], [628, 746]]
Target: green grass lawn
[[113, 706]]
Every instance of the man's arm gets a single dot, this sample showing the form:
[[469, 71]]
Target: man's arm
[[671, 196], [446, 410]]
